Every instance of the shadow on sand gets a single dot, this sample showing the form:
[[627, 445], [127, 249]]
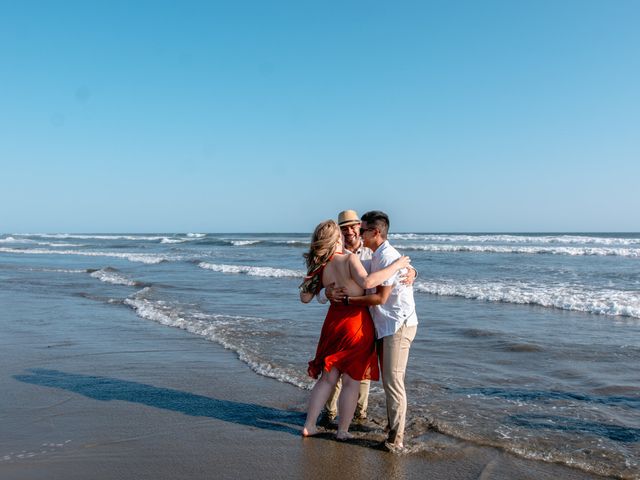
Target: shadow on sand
[[105, 389], [250, 414]]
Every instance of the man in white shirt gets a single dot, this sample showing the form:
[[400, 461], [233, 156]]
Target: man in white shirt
[[394, 316]]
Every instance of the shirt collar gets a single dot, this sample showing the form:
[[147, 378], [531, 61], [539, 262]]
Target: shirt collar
[[381, 248]]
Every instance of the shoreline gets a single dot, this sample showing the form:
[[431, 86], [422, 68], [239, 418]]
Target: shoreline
[[110, 395]]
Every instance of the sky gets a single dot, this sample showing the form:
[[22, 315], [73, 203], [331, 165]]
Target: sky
[[271, 116]]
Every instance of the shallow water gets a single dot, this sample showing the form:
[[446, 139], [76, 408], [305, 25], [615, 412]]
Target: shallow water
[[527, 342]]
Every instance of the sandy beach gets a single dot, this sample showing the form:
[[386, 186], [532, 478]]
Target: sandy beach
[[113, 396]]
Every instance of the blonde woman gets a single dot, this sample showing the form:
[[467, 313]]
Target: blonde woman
[[346, 345]]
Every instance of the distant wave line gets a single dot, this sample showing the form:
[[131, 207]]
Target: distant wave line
[[156, 238], [546, 239], [602, 301], [132, 257], [34, 242], [529, 250]]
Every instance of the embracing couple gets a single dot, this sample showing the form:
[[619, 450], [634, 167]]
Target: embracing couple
[[366, 295]]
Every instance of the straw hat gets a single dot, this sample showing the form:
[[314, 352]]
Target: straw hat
[[348, 217]]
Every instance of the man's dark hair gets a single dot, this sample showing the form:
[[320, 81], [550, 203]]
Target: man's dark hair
[[378, 219]]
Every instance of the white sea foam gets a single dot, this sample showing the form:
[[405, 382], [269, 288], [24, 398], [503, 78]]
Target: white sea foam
[[132, 257], [528, 239], [289, 243], [43, 449], [92, 237], [58, 270], [196, 235], [14, 240], [565, 297], [175, 240], [60, 244], [251, 270], [110, 276], [531, 250], [241, 243], [210, 327]]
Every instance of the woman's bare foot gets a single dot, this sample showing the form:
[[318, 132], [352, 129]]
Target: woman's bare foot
[[343, 435], [309, 431]]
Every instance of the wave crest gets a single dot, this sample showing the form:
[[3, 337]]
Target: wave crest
[[602, 302], [251, 270], [530, 250], [132, 257], [111, 275], [211, 326], [505, 238]]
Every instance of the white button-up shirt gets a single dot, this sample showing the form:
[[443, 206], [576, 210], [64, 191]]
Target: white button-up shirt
[[400, 307], [365, 255]]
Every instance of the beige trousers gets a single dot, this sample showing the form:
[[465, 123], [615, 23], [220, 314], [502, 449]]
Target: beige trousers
[[393, 351], [331, 406]]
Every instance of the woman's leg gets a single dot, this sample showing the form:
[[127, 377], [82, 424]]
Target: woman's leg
[[319, 395], [347, 405]]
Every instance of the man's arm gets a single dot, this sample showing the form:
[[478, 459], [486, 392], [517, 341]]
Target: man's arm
[[370, 280], [379, 298]]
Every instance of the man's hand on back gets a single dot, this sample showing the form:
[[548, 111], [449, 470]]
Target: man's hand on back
[[335, 294], [409, 277]]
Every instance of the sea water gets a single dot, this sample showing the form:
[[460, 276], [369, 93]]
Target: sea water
[[526, 342]]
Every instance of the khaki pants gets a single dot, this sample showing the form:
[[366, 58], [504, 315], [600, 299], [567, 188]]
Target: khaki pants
[[393, 351], [331, 407]]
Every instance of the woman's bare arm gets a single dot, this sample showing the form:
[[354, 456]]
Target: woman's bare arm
[[371, 280]]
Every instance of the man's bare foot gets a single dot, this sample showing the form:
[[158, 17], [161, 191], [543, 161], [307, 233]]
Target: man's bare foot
[[309, 431], [343, 435]]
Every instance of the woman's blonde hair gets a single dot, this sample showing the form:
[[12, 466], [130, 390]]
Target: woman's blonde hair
[[324, 242]]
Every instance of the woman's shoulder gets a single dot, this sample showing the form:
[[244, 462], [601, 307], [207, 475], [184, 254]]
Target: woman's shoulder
[[350, 257], [340, 261], [341, 256]]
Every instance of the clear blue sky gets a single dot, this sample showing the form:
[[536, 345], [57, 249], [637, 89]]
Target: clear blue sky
[[272, 115]]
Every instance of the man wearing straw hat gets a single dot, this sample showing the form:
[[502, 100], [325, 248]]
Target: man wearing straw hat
[[349, 224]]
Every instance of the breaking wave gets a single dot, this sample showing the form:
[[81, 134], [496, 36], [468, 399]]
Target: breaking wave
[[132, 257], [251, 270], [531, 250], [13, 240], [602, 301], [544, 239], [111, 275], [223, 329], [242, 243]]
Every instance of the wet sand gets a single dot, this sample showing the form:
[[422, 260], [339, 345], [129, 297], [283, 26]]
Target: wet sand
[[115, 397]]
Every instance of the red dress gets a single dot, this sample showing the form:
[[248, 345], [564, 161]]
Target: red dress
[[347, 342]]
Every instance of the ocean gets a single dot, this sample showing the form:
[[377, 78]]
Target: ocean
[[528, 342]]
